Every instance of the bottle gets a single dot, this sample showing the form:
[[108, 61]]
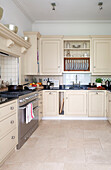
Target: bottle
[[48, 83]]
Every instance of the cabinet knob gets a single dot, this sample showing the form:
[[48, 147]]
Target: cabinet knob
[[50, 93], [12, 121], [58, 66], [11, 108], [109, 100], [94, 66], [96, 92], [13, 137], [66, 97]]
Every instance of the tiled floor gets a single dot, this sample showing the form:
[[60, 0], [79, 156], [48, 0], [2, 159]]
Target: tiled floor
[[65, 145]]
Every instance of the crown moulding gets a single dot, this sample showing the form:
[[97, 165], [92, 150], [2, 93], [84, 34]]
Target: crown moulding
[[6, 33]]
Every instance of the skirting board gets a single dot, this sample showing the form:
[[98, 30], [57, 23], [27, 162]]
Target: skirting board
[[74, 118]]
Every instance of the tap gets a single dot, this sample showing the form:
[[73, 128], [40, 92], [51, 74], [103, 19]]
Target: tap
[[79, 84], [76, 78], [73, 83]]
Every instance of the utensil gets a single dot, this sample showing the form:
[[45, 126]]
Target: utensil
[[12, 27], [15, 87], [1, 12]]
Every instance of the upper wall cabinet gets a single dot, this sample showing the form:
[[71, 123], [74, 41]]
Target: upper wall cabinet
[[11, 43], [101, 64], [30, 61], [51, 55]]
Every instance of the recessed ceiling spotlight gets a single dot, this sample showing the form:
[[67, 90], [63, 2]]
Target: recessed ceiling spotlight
[[53, 6], [100, 4]]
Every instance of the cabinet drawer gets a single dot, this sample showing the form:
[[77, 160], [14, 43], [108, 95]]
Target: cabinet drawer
[[7, 125], [7, 144], [7, 109]]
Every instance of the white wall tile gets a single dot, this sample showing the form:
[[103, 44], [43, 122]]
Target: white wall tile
[[9, 68], [84, 79]]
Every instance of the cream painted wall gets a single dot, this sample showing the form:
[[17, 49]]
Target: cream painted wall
[[73, 27], [12, 14]]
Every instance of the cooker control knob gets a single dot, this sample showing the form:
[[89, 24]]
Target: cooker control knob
[[21, 101], [27, 98]]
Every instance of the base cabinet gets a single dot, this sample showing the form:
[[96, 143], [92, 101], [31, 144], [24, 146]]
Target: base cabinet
[[7, 144], [8, 129], [50, 103], [109, 107], [40, 105], [96, 104], [75, 103]]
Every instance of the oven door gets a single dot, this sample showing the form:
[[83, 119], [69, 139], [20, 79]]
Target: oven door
[[24, 128]]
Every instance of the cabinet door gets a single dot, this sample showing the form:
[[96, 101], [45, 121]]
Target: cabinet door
[[75, 103], [102, 56], [30, 59], [96, 104], [109, 108], [7, 144], [51, 55], [50, 103]]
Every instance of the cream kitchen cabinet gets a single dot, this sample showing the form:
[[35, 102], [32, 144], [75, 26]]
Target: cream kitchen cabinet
[[8, 129], [96, 104], [40, 105], [50, 103], [30, 63], [75, 103], [101, 56], [109, 106], [51, 56]]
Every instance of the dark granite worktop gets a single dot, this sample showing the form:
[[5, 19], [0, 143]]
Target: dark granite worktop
[[70, 87]]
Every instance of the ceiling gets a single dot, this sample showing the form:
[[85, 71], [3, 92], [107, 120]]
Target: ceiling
[[65, 9]]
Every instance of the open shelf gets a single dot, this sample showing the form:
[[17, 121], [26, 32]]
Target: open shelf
[[77, 55], [76, 49]]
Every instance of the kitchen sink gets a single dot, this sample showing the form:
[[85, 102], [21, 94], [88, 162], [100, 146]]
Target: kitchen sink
[[76, 88]]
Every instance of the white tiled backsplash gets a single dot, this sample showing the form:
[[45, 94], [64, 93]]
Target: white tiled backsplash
[[9, 69], [67, 79], [84, 79]]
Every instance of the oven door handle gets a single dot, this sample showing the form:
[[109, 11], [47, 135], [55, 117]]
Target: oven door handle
[[22, 108]]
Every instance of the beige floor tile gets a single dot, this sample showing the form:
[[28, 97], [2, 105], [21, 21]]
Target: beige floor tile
[[75, 143], [56, 155], [74, 166], [75, 134], [98, 167], [51, 166], [29, 154], [75, 155], [92, 145], [52, 142], [11, 167], [98, 157]]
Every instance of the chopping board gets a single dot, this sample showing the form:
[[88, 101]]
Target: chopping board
[[96, 88]]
